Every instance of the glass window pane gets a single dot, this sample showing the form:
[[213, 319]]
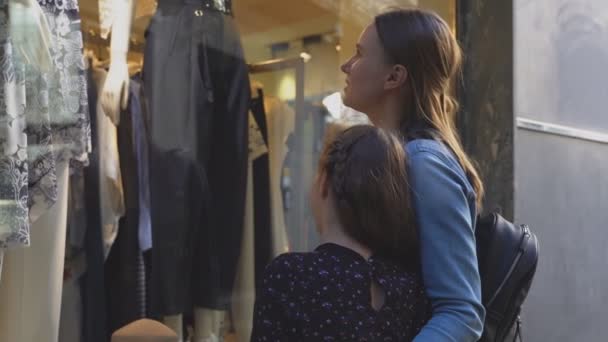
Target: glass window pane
[[167, 154]]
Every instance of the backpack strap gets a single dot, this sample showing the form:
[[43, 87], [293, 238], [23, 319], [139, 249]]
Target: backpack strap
[[518, 335]]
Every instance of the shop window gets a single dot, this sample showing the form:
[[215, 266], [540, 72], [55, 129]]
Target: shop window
[[181, 169]]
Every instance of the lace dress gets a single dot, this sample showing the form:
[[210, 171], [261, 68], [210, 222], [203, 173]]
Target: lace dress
[[44, 121]]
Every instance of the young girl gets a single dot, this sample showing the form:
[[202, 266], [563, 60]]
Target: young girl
[[362, 282]]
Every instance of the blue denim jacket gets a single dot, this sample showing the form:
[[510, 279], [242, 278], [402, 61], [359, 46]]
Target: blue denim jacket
[[444, 202]]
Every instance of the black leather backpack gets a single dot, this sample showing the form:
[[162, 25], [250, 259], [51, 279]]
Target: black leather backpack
[[507, 255]]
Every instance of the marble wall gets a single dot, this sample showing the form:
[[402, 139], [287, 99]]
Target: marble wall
[[561, 61], [486, 95], [545, 60], [560, 72]]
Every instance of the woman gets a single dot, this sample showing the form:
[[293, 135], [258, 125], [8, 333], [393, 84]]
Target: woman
[[362, 283], [400, 77]]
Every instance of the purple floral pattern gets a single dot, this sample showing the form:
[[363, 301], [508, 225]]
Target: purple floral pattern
[[325, 296]]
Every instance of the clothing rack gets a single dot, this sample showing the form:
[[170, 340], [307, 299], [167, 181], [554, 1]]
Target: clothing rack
[[279, 64], [298, 168]]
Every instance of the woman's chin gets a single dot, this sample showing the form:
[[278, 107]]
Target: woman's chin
[[345, 98]]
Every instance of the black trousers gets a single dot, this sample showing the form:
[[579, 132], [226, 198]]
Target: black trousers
[[261, 196], [122, 268], [197, 89], [92, 288]]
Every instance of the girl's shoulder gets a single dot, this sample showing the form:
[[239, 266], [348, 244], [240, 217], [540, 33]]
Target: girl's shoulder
[[395, 274], [288, 262], [288, 265], [289, 274]]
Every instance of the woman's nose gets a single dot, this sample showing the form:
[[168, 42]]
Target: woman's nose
[[345, 67]]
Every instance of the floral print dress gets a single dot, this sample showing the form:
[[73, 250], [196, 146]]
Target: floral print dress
[[325, 296], [44, 121]]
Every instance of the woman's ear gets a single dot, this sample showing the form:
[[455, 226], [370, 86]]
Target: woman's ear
[[396, 78]]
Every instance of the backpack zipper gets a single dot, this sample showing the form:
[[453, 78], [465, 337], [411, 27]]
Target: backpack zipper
[[526, 235]]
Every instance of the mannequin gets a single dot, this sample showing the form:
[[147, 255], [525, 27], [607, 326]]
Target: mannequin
[[115, 92], [176, 160]]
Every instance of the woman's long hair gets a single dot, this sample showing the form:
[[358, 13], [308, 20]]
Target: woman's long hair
[[423, 43]]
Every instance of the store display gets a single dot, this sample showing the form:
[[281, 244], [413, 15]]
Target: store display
[[44, 132], [158, 183], [197, 89]]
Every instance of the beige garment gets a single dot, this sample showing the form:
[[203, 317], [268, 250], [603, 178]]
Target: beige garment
[[70, 324], [243, 297], [280, 120], [32, 281], [111, 199], [244, 285]]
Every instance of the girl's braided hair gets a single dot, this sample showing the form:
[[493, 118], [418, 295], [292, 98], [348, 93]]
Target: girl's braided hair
[[366, 172]]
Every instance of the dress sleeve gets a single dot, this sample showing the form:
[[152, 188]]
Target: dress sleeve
[[270, 321], [448, 251]]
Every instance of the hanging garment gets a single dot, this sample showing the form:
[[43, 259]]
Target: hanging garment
[[261, 194], [140, 143], [14, 222], [66, 86], [243, 297], [43, 120], [124, 266], [281, 123], [111, 197], [30, 291], [70, 327], [92, 283], [197, 88]]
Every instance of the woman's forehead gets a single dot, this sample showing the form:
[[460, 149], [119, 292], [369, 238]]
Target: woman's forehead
[[369, 40]]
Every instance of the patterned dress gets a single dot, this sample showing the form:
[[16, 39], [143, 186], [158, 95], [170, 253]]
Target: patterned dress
[[44, 120], [325, 296]]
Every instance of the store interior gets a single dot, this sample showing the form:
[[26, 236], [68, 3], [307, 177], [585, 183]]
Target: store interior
[[293, 51]]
